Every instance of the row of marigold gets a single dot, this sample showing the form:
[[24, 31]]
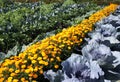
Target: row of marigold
[[49, 52]]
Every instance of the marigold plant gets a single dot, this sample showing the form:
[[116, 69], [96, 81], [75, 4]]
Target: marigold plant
[[49, 52]]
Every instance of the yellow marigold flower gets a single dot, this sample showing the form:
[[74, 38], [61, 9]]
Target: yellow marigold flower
[[12, 74], [25, 61], [41, 62], [81, 40], [69, 47], [36, 69], [35, 56], [39, 58], [58, 58], [27, 71], [31, 58], [33, 61], [17, 71], [11, 62], [56, 66], [51, 59], [10, 79], [43, 53], [23, 66], [45, 63], [11, 70], [5, 63], [31, 69], [17, 64], [15, 80]]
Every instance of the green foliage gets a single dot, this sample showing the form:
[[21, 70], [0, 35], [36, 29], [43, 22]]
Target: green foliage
[[78, 19], [5, 2], [48, 8], [23, 24], [68, 2], [52, 1]]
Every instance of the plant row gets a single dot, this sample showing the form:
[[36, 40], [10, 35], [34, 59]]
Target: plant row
[[100, 58], [33, 6], [49, 52]]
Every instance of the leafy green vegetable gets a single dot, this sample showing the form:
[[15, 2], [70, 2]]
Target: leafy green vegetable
[[23, 24]]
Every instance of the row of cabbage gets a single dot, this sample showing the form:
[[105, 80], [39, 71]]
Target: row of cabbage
[[22, 25], [48, 53], [98, 60]]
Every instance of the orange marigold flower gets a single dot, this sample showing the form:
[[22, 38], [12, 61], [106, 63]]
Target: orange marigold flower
[[41, 71], [56, 66], [22, 79], [35, 75]]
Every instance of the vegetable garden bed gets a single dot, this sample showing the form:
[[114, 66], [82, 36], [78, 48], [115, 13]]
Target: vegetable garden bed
[[56, 31]]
